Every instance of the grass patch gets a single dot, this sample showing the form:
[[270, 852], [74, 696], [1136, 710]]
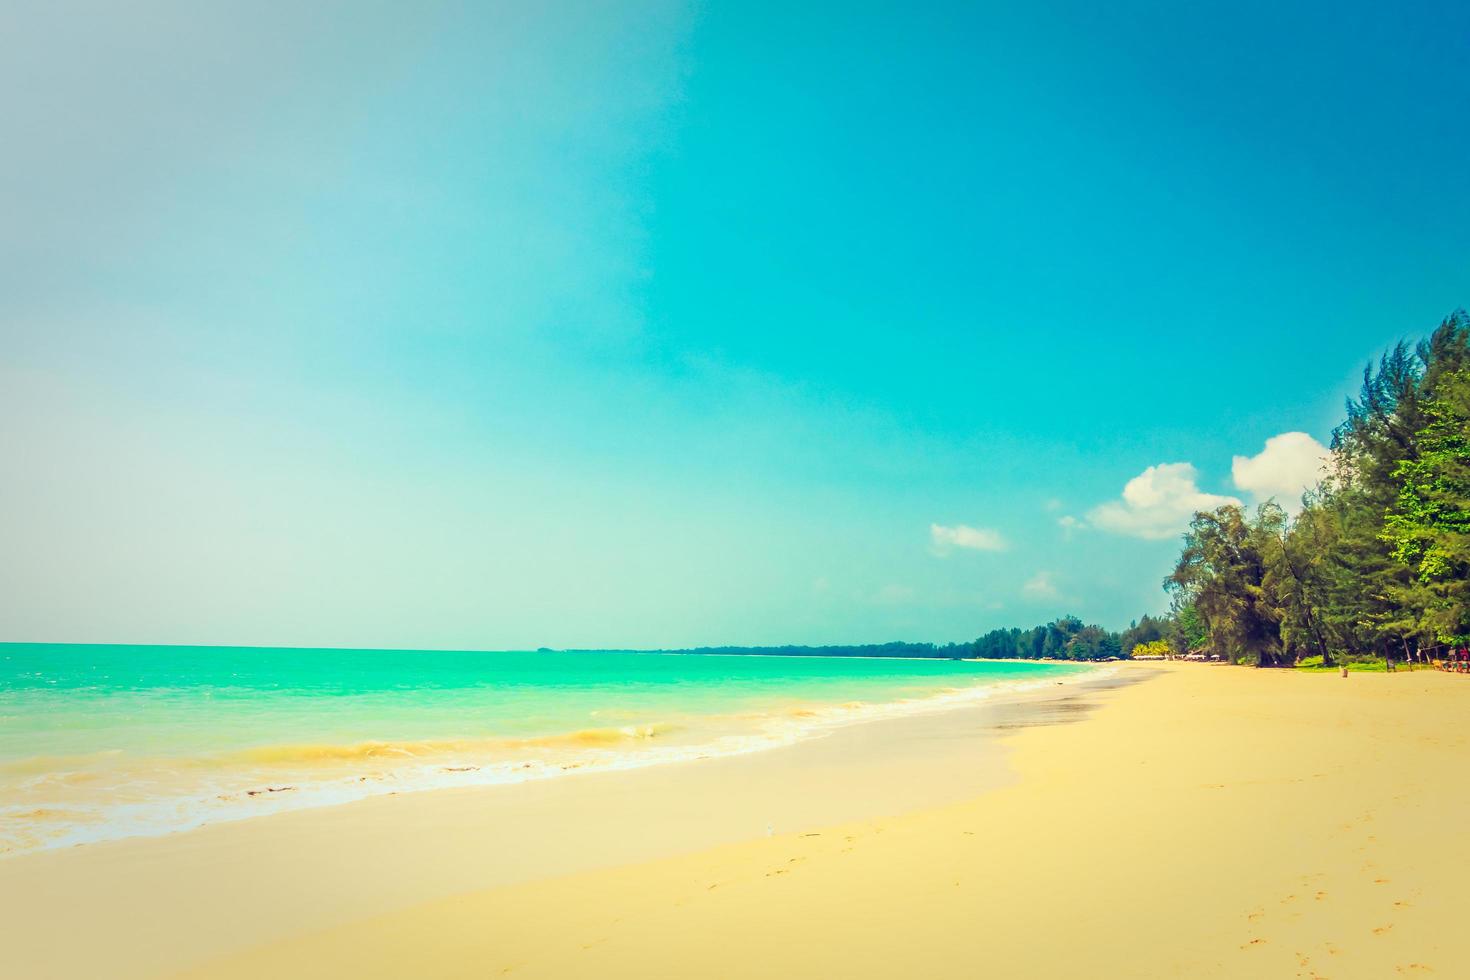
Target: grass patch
[[1314, 665]]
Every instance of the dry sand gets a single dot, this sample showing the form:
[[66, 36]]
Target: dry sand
[[1212, 821]]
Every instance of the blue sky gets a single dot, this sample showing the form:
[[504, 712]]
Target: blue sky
[[501, 325]]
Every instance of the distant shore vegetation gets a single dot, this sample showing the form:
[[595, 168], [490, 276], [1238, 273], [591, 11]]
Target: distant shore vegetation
[[1067, 638]]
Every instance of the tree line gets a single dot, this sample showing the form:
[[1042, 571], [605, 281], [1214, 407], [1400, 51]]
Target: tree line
[[1377, 561], [1067, 638], [1375, 564]]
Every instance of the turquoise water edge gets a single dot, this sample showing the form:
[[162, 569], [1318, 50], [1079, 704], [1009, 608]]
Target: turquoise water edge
[[102, 742]]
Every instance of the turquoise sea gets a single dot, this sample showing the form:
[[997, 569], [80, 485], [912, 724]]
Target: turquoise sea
[[100, 742]]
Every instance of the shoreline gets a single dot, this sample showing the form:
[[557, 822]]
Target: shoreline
[[486, 762], [1221, 823], [231, 886]]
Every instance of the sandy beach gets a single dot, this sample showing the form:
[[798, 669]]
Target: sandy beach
[[688, 490], [1206, 821]]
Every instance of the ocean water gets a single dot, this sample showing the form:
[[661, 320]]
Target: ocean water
[[102, 742]]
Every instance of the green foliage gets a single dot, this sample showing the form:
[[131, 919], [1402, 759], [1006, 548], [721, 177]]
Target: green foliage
[[1063, 639], [1428, 525], [1377, 564], [1187, 629], [1223, 572], [1153, 648], [1146, 630], [1315, 665], [895, 649]]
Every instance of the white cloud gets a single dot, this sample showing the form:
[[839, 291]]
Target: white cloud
[[946, 539], [1070, 525], [1157, 503], [1290, 464], [1040, 586]]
